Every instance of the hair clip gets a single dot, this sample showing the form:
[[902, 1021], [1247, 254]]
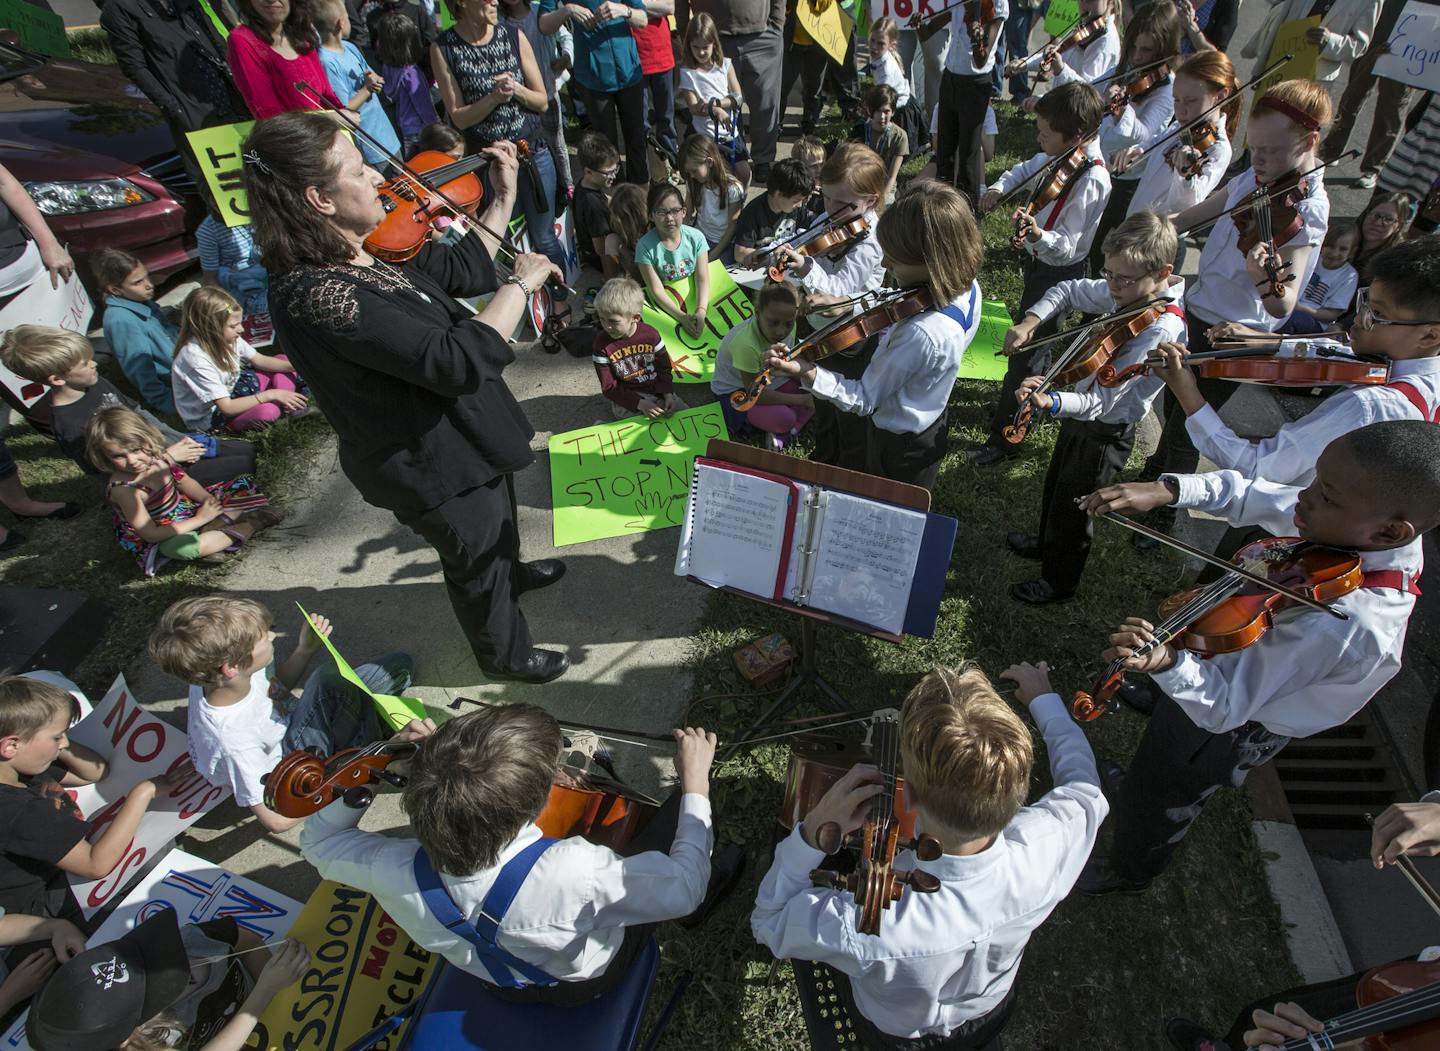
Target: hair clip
[[251, 157]]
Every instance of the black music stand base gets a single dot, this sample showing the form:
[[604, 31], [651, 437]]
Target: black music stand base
[[808, 675]]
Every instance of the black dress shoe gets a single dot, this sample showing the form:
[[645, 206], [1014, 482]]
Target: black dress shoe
[[13, 539], [726, 868], [1026, 545], [69, 509], [1099, 879], [1036, 593], [540, 574], [1185, 1035], [986, 456], [541, 666]]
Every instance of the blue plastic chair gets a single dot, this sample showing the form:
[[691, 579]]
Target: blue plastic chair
[[459, 1013]]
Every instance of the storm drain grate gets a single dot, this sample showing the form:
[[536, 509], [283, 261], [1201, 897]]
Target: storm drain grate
[[1332, 780]]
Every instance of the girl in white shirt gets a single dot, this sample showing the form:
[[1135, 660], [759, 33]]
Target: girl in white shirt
[[220, 381], [1088, 62], [715, 196], [1133, 120], [885, 68], [710, 90]]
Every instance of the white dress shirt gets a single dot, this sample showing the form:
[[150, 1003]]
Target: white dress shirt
[[1288, 457], [1310, 671], [887, 70], [569, 916], [1351, 24], [1165, 191], [1131, 400], [943, 958], [908, 382], [959, 59], [1138, 124], [1089, 63], [1067, 223], [1224, 290], [861, 268]]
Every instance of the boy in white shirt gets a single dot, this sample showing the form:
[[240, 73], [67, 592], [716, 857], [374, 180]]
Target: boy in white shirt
[[243, 718], [1376, 490], [944, 963]]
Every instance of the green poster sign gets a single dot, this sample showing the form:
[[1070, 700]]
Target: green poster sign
[[982, 359], [1061, 15], [692, 358], [38, 29], [218, 152], [633, 476]]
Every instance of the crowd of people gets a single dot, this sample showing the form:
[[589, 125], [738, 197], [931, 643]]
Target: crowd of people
[[1150, 143]]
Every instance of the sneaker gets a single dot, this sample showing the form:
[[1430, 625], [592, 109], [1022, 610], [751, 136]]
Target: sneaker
[[1367, 180]]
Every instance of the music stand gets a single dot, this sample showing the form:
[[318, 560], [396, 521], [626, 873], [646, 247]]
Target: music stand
[[913, 497]]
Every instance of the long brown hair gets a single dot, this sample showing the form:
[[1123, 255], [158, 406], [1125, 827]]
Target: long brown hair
[[283, 156], [296, 28], [701, 28], [1215, 70], [1162, 22], [697, 149], [1404, 208]]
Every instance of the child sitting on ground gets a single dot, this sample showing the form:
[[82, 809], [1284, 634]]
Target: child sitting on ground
[[581, 913], [205, 987], [220, 381], [672, 251], [784, 408], [159, 511], [230, 259], [882, 135], [777, 215], [715, 195], [353, 81], [397, 47], [137, 330], [887, 68], [64, 362], [242, 717], [944, 964], [599, 162], [628, 224], [810, 151], [1332, 286], [630, 357]]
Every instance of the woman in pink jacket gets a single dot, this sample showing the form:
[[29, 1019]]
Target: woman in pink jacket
[[273, 50]]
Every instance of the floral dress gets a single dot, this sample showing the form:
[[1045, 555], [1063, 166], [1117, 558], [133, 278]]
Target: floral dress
[[168, 505]]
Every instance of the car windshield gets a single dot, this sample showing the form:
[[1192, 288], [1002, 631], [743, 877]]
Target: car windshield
[[13, 62]]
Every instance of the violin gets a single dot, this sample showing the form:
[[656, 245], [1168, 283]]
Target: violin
[[978, 14], [1199, 138], [1260, 361], [834, 237], [1267, 576], [890, 826], [1080, 35], [1065, 169], [1136, 86], [412, 206], [1087, 356], [1270, 215], [841, 335], [1398, 1005]]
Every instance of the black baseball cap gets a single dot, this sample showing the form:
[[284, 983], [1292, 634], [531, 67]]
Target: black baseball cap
[[94, 1001]]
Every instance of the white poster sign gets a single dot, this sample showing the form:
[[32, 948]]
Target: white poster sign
[[1414, 48], [67, 306]]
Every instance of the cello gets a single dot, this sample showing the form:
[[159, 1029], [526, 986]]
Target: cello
[[889, 827]]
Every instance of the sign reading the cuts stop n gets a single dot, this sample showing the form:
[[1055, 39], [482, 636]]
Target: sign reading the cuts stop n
[[137, 746]]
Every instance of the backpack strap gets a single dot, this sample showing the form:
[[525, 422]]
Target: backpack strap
[[1415, 398], [482, 933]]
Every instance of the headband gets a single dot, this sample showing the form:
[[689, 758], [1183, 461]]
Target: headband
[[1295, 113]]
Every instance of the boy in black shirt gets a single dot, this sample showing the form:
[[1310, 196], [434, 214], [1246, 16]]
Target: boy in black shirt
[[777, 215], [599, 161], [63, 361]]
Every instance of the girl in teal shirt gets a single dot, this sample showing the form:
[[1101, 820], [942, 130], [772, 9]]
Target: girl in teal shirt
[[672, 251]]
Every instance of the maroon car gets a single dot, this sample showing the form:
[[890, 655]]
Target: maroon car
[[98, 160]]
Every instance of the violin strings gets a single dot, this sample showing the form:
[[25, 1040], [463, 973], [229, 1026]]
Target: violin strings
[[1421, 1003]]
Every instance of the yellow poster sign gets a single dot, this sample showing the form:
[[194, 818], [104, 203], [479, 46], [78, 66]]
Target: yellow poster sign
[[1290, 40], [363, 969], [218, 151], [828, 25]]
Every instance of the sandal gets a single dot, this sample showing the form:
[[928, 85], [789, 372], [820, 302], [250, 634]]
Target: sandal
[[1036, 593], [264, 518]]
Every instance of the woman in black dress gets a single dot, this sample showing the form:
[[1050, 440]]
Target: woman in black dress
[[410, 378]]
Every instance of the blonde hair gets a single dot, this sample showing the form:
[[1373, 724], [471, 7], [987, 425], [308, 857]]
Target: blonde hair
[[198, 636], [37, 352], [1145, 240], [701, 26], [931, 225], [808, 148], [1307, 96], [203, 317], [619, 296], [164, 1032], [27, 705], [966, 754], [325, 15], [886, 29], [628, 216], [125, 429], [858, 168]]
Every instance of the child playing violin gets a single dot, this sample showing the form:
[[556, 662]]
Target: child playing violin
[[940, 973], [577, 912], [1376, 490], [965, 89], [932, 244], [1098, 427], [1054, 229], [1097, 57], [1398, 320]]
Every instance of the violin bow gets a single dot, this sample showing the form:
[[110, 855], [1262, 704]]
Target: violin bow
[[1419, 882], [1229, 567], [1132, 72], [1047, 169], [1104, 319], [502, 240]]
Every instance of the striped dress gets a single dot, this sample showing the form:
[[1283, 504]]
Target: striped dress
[[168, 504], [1414, 167]]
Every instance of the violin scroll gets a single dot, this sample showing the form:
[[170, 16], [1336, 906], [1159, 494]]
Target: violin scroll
[[303, 783], [1015, 431]]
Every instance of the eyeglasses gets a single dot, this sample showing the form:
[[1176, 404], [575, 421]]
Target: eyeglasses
[[668, 213], [1366, 318], [606, 173], [1118, 280]]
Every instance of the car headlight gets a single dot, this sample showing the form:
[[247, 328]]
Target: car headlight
[[85, 195]]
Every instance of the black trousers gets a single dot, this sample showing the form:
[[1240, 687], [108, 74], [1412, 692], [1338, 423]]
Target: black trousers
[[476, 536], [911, 458], [1122, 192], [841, 437], [963, 101], [1039, 279], [1175, 453], [1177, 767], [629, 105], [981, 1033], [1088, 454], [233, 456]]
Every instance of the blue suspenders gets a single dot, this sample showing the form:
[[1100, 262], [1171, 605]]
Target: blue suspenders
[[482, 933], [965, 317]]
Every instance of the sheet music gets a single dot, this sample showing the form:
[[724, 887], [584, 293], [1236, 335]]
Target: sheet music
[[865, 560], [734, 531]]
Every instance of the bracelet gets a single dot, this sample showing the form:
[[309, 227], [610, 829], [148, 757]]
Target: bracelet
[[1054, 403], [516, 279], [1173, 484]]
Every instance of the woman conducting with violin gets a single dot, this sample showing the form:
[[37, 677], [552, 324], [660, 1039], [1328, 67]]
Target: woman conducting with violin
[[1088, 51], [933, 249], [1250, 669], [411, 379]]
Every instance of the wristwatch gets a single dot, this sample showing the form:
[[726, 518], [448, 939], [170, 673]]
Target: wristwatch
[[516, 279]]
